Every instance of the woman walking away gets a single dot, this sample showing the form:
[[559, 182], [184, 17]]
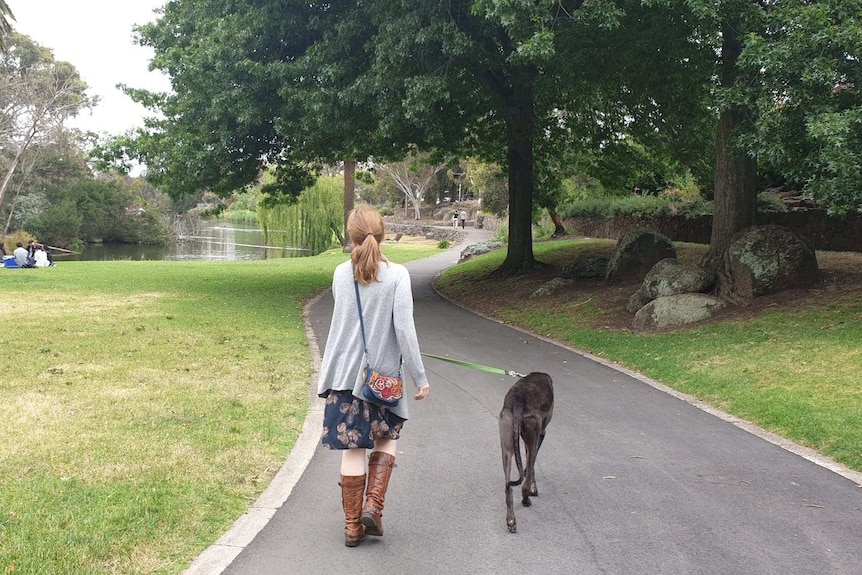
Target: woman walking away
[[381, 289]]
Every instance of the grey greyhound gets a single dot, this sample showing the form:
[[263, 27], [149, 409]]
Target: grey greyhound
[[527, 410]]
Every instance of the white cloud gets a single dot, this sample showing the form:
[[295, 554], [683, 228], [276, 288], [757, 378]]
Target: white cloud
[[96, 37]]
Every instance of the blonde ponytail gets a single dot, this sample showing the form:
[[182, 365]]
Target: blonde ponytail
[[365, 229]]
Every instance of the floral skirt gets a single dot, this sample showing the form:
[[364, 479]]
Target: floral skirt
[[350, 422]]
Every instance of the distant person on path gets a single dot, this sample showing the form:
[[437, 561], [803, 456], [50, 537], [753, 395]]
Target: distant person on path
[[463, 219], [455, 221], [350, 423]]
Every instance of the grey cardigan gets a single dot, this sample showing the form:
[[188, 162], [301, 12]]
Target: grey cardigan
[[387, 307]]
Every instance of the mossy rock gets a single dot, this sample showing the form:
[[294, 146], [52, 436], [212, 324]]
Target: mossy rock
[[636, 253], [763, 260]]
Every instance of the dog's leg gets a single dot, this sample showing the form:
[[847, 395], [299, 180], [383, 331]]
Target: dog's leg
[[511, 523], [531, 434], [533, 490], [508, 449]]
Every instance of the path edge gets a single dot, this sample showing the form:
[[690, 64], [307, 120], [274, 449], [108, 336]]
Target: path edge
[[218, 556]]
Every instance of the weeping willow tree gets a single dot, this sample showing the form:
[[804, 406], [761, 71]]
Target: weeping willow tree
[[312, 221]]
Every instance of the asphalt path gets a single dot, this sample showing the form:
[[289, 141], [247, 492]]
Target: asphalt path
[[632, 479]]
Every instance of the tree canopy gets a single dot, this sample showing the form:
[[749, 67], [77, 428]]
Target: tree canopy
[[807, 67], [5, 25], [603, 88], [289, 83], [37, 95]]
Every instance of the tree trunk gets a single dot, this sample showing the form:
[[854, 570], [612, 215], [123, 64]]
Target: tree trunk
[[559, 229], [520, 126], [12, 167], [349, 194], [22, 147], [735, 198], [23, 180], [735, 202]]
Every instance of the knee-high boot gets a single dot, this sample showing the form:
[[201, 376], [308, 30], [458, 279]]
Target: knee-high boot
[[352, 487], [379, 471]]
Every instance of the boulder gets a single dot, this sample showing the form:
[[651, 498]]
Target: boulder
[[763, 260], [636, 301], [636, 253], [551, 287], [588, 268], [671, 277], [674, 310], [478, 249]]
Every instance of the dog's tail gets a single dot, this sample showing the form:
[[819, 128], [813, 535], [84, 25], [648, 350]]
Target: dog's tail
[[517, 412]]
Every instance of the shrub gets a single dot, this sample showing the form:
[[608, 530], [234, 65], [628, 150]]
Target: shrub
[[683, 188], [502, 233], [59, 224], [544, 228], [443, 244], [636, 206], [770, 202]]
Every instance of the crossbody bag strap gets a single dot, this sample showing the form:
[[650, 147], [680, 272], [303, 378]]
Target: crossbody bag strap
[[362, 328], [361, 322]]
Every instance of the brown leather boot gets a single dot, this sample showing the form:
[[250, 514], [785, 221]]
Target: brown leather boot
[[352, 487], [379, 471]]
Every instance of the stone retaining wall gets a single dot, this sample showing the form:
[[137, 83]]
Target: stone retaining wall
[[491, 223], [823, 232], [427, 231]]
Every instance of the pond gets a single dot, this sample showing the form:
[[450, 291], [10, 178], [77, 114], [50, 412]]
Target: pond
[[216, 241]]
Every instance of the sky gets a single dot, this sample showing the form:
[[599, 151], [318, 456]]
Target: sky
[[96, 37]]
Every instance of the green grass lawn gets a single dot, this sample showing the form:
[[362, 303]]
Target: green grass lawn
[[144, 405], [793, 369]]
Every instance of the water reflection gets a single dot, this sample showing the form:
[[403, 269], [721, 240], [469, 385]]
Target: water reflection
[[217, 241]]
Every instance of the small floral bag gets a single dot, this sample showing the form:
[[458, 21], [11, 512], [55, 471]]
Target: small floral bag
[[382, 390]]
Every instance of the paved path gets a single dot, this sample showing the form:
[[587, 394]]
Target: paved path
[[632, 479]]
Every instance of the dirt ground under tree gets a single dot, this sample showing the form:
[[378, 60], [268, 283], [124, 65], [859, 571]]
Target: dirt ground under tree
[[840, 273]]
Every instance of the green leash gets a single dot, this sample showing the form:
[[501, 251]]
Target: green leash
[[476, 366]]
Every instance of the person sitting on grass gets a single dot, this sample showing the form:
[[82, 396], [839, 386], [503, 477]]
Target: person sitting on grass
[[40, 257], [21, 257], [8, 259]]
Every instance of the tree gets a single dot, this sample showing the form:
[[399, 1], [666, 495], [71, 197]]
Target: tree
[[110, 210], [806, 66], [287, 83], [261, 84], [413, 176], [310, 221], [5, 26], [37, 95], [735, 182], [45, 165], [489, 182], [489, 78]]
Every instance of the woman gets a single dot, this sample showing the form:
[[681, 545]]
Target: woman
[[350, 423], [40, 257]]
